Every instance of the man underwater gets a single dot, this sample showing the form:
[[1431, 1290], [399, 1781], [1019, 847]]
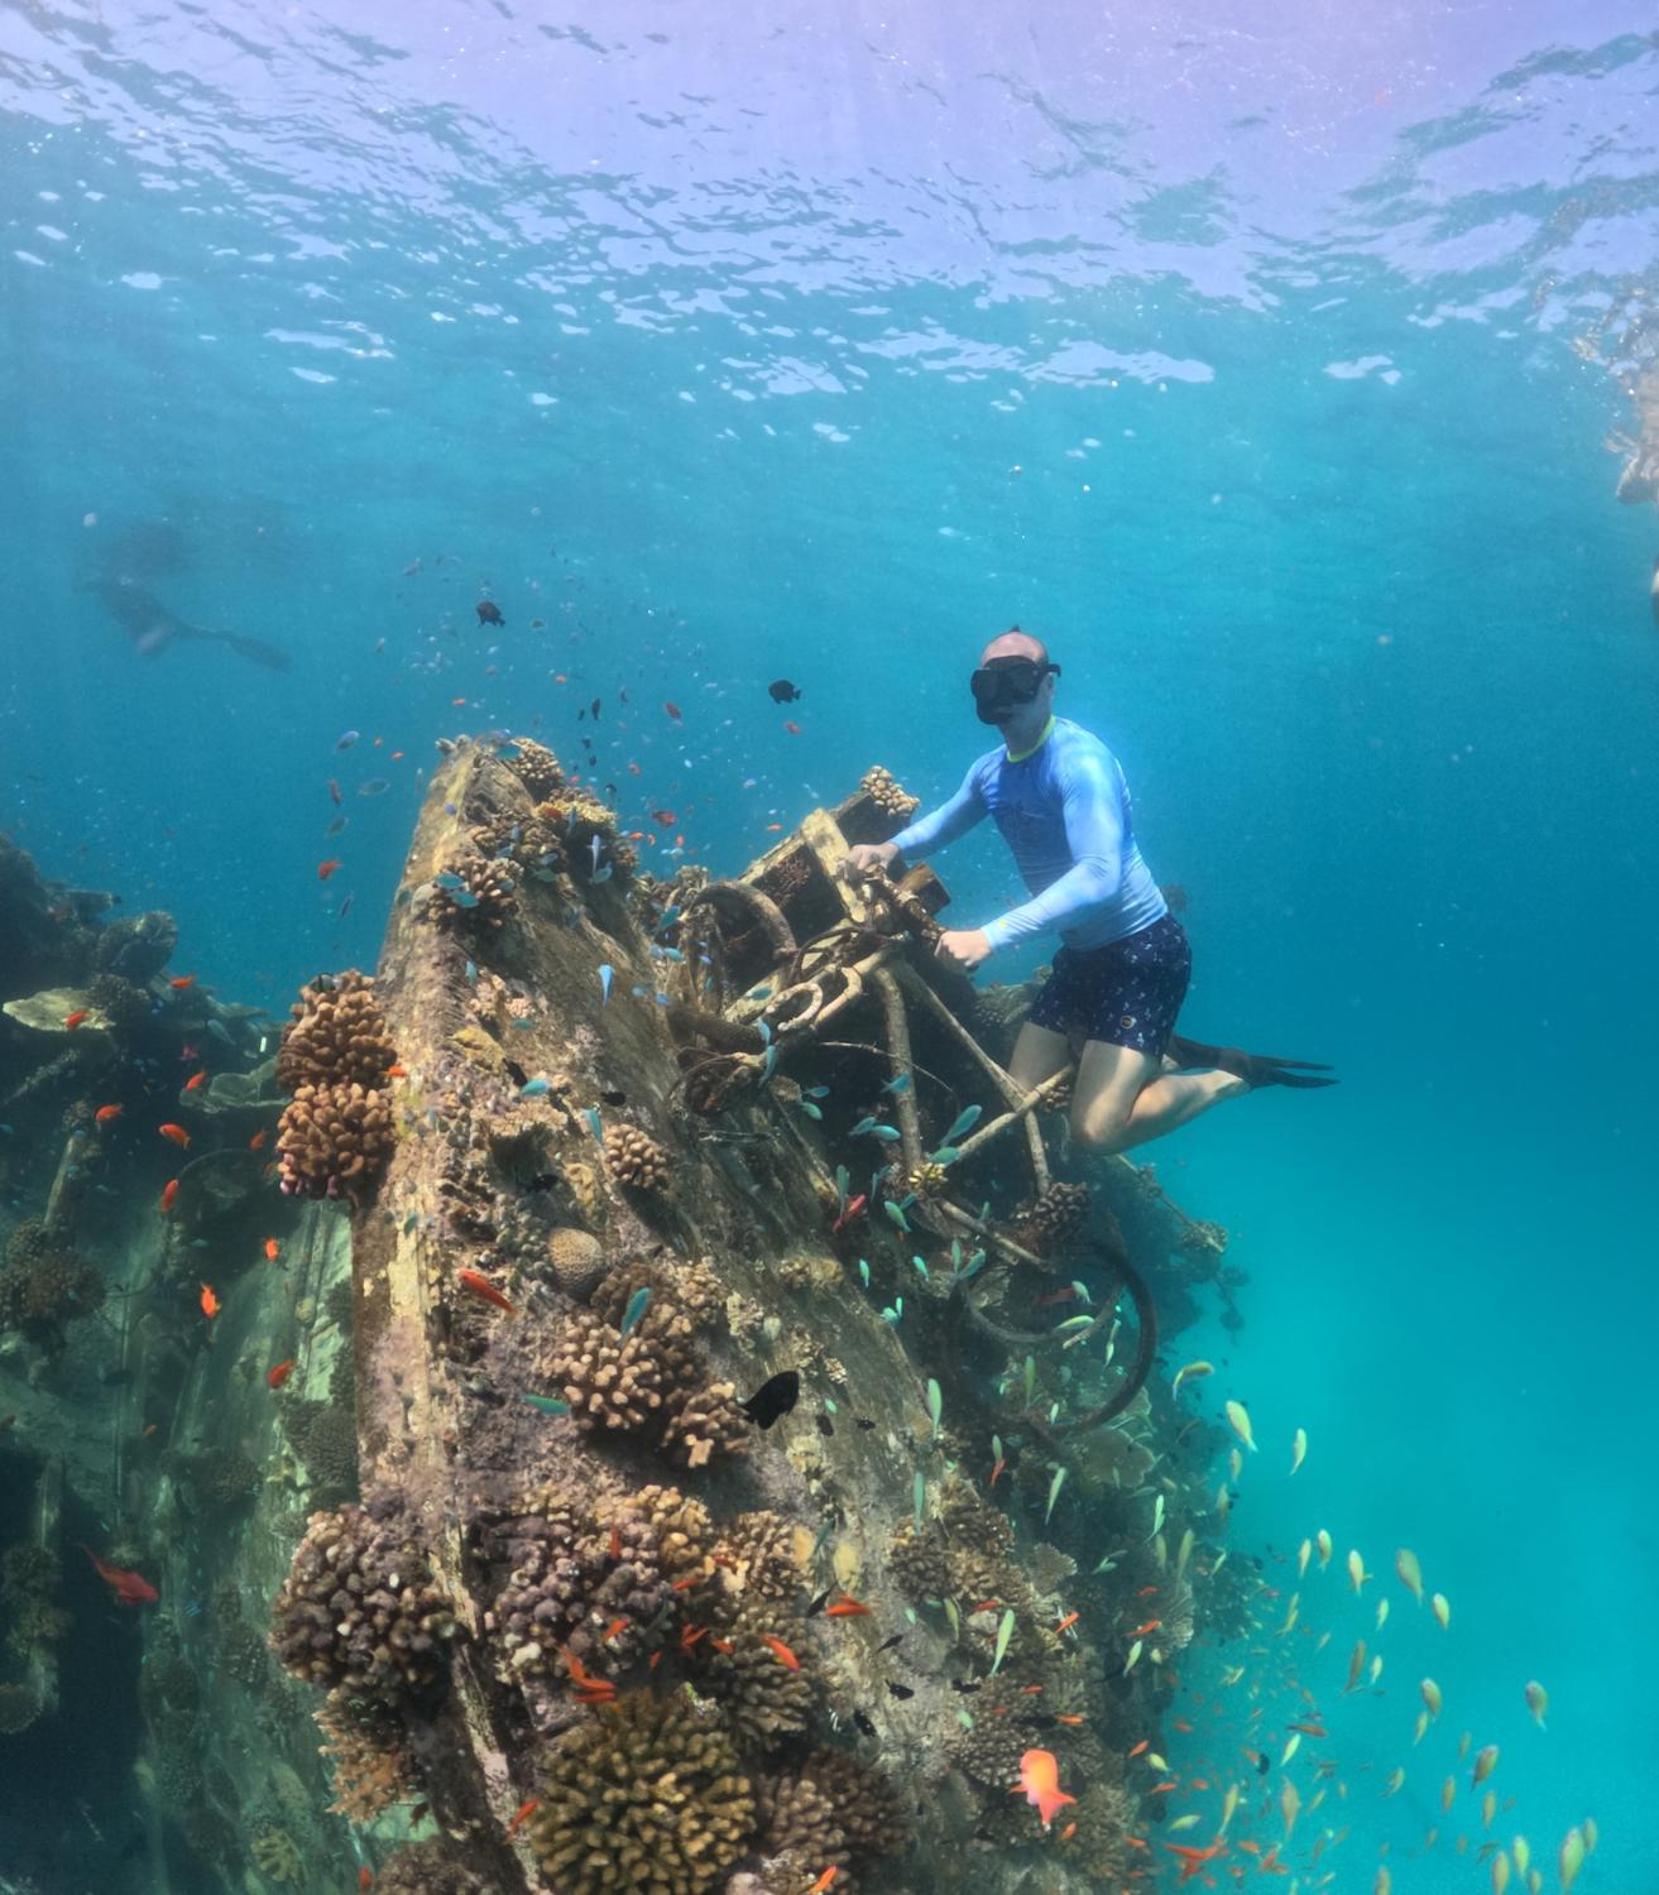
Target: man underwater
[[1059, 797]]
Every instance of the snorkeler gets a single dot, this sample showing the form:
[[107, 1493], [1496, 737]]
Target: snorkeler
[[1059, 798], [152, 628]]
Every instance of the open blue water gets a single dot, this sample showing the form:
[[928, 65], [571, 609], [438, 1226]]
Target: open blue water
[[1263, 365]]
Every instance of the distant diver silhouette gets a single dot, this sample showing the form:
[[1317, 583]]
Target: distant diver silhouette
[[152, 627]]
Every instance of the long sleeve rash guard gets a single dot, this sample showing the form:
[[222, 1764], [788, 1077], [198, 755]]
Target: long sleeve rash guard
[[1063, 810]]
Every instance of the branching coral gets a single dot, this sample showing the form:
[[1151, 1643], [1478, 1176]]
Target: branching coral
[[583, 821], [650, 1381], [1104, 1820], [359, 1604], [635, 1158], [338, 1036], [334, 1141], [885, 791], [763, 1698], [479, 891], [369, 1761], [757, 1557], [565, 1588], [44, 1286], [536, 768], [647, 1796], [336, 1135], [867, 1808], [532, 844], [1050, 1222]]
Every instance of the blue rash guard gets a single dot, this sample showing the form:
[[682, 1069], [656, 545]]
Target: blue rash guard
[[1063, 809]]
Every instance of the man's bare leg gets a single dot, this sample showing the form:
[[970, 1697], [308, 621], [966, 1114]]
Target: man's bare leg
[[1039, 1053], [1124, 1098]]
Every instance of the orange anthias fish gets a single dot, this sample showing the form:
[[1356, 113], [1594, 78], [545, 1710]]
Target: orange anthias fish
[[365, 1877], [177, 1134], [326, 869], [180, 981], [129, 1588], [73, 1020], [1039, 1784], [847, 1607], [1193, 1860], [105, 1113], [273, 1250], [257, 1142], [792, 727], [824, 1881], [521, 1816], [210, 1303], [196, 1081], [277, 1376], [780, 1651], [672, 709], [169, 1191], [481, 1287]]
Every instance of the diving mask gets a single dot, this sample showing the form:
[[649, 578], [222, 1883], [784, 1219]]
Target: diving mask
[[1005, 684]]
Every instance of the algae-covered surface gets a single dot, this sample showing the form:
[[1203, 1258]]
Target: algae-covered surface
[[628, 1395]]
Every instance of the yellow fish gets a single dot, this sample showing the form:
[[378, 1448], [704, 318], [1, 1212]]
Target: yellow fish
[[1420, 1730], [1571, 1859], [1384, 1883], [1431, 1696], [1535, 1881], [1134, 1657], [1486, 1761], [1323, 1541], [1521, 1850], [1356, 1571], [1376, 1667], [1291, 1614], [1382, 1613], [1298, 1449], [1303, 1554], [1291, 1749], [1356, 1664], [1235, 1465], [1463, 1744], [1290, 1806], [1238, 1417], [1448, 1794], [1193, 1372], [1411, 1574], [1538, 1702], [1441, 1608], [1500, 1873], [1488, 1808], [1591, 1834], [1155, 1762], [1183, 1822], [1396, 1778], [1229, 1803]]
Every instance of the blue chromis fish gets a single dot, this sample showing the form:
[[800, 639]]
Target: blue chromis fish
[[896, 1213], [546, 1404], [900, 1083], [962, 1124], [448, 881], [638, 1304], [607, 974], [534, 1088], [595, 1124], [864, 1125], [769, 1064], [945, 1155], [810, 1109]]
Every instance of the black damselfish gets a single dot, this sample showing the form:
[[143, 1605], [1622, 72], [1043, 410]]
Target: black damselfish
[[774, 1398], [781, 691]]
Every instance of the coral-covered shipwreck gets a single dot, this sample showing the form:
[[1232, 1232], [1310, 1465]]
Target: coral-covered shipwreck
[[677, 1417]]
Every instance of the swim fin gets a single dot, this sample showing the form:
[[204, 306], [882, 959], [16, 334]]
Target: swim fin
[[1255, 1069]]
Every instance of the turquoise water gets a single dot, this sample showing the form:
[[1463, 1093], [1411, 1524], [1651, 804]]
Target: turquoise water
[[1266, 378]]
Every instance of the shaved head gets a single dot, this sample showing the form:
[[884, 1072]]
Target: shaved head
[[1015, 644]]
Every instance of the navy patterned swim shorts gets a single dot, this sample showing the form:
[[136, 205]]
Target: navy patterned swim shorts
[[1126, 993]]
